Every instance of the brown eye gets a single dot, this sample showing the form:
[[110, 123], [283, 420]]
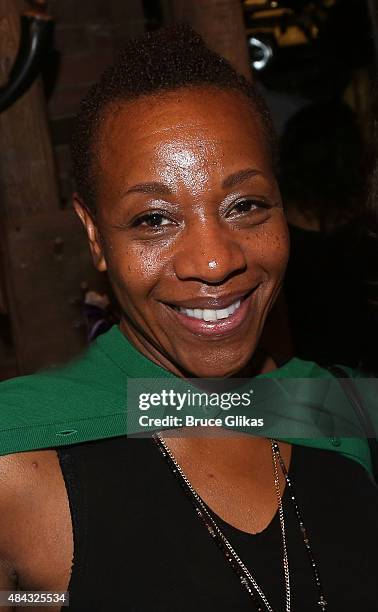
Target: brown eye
[[153, 220], [247, 206]]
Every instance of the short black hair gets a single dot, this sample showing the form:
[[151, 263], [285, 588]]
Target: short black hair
[[160, 61]]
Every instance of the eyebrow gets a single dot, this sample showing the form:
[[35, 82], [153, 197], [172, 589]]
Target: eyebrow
[[157, 188], [154, 188], [239, 177]]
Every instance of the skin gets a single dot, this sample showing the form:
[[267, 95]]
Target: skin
[[218, 202], [239, 226]]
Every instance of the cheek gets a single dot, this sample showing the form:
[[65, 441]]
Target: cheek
[[269, 248], [279, 244], [134, 270]]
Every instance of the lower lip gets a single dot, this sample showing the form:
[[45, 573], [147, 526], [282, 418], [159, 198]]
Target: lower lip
[[215, 328]]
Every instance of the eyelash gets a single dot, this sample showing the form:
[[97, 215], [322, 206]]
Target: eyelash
[[257, 204], [150, 216]]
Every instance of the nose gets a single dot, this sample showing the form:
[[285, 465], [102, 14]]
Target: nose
[[209, 252]]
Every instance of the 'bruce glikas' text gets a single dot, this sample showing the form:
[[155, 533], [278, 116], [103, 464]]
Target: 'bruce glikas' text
[[191, 421]]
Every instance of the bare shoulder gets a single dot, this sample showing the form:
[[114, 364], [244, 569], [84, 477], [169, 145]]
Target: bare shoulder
[[36, 546], [26, 470], [25, 478]]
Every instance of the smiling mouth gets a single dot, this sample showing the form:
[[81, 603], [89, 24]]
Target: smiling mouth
[[209, 314], [214, 321]]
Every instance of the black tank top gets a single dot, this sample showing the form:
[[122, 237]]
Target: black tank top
[[139, 546]]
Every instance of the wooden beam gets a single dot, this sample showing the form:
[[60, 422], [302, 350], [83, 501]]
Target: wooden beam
[[37, 237], [221, 23], [127, 18]]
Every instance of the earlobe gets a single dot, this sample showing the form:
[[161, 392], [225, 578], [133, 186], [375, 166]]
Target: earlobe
[[87, 219]]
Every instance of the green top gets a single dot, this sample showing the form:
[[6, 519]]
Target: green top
[[86, 400]]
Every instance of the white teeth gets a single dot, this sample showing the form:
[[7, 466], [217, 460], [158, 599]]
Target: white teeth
[[209, 314], [222, 314]]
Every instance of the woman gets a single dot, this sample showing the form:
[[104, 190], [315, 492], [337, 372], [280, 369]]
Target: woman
[[176, 190]]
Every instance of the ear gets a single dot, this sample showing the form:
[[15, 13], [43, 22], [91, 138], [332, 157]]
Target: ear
[[92, 232]]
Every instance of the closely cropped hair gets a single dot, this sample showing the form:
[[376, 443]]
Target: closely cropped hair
[[168, 59]]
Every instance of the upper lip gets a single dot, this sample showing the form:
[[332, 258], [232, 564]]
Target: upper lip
[[211, 302]]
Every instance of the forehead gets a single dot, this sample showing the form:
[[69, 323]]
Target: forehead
[[181, 131]]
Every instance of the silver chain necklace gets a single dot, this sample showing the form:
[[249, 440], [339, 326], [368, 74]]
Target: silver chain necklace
[[245, 576]]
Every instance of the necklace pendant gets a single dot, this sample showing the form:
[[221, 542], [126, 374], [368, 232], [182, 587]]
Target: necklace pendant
[[322, 603]]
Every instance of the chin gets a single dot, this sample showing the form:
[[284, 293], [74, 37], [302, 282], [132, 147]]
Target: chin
[[216, 366]]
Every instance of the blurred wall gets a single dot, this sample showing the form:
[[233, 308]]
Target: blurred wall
[[88, 35], [44, 251]]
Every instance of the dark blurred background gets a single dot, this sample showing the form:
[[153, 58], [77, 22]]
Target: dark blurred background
[[316, 64]]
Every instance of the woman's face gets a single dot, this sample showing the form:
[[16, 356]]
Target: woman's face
[[190, 228]]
